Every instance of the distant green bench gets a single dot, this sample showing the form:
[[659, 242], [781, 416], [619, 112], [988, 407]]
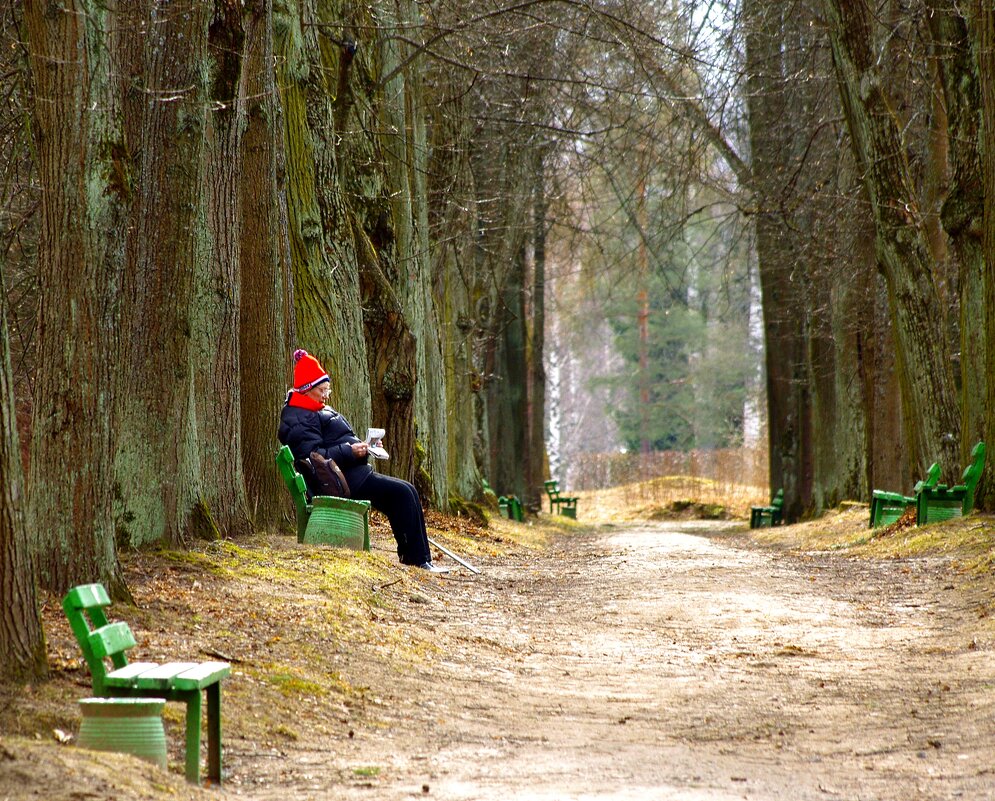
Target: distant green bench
[[940, 502], [511, 508], [322, 518], [175, 681], [887, 507], [766, 516], [565, 505]]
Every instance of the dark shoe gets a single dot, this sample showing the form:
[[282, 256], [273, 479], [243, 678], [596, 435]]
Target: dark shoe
[[433, 568]]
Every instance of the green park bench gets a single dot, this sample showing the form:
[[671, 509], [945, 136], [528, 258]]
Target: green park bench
[[887, 507], [940, 502], [511, 508], [566, 505], [323, 518], [767, 516], [174, 681]]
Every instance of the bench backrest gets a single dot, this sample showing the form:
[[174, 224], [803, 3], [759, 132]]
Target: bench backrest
[[98, 640], [972, 474], [931, 480], [778, 500], [294, 481], [552, 489]]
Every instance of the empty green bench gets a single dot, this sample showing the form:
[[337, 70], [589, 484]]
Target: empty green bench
[[566, 505], [887, 507], [940, 502], [766, 516], [322, 518], [175, 681], [511, 508]]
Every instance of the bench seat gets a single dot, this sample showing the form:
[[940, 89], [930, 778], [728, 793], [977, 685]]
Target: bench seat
[[172, 675]]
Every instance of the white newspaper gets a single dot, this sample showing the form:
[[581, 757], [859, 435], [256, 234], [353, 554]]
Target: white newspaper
[[374, 439]]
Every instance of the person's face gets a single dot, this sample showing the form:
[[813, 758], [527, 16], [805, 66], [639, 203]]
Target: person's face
[[320, 393]]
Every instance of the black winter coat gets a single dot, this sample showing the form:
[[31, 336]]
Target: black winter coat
[[327, 432]]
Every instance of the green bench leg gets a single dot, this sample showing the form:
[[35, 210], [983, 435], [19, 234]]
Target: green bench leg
[[214, 733], [193, 703]]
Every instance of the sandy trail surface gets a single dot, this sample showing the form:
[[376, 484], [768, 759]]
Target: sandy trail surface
[[670, 661]]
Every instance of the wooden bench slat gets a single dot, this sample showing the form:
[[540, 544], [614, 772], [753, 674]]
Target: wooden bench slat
[[161, 677], [124, 677], [168, 670], [202, 675]]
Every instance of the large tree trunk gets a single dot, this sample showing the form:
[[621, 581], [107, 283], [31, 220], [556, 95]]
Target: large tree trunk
[[83, 170], [503, 166], [818, 203], [926, 378], [215, 346], [963, 209], [22, 644], [315, 78], [453, 225], [158, 462], [783, 300], [535, 447], [984, 15], [265, 301], [406, 147], [507, 391]]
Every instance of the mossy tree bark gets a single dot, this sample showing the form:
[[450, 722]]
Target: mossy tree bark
[[409, 166], [158, 462], [314, 75], [264, 302], [83, 171], [926, 378], [452, 223], [22, 644], [217, 293], [983, 14], [501, 273], [963, 208], [398, 338]]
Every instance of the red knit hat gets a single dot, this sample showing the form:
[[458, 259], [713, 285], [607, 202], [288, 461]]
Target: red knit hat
[[308, 372]]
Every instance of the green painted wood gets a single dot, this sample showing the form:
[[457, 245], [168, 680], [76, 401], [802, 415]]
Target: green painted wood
[[972, 475], [324, 520], [935, 504], [887, 507], [566, 505], [176, 681], [111, 639], [767, 516]]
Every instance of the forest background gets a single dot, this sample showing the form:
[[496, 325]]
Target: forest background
[[514, 232]]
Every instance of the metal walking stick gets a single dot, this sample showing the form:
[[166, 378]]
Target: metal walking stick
[[453, 556]]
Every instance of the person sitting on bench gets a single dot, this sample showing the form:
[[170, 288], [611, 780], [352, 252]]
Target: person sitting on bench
[[307, 425]]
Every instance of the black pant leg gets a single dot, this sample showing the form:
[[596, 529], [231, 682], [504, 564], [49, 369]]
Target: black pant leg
[[400, 502]]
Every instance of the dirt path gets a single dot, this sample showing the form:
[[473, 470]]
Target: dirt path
[[670, 662]]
